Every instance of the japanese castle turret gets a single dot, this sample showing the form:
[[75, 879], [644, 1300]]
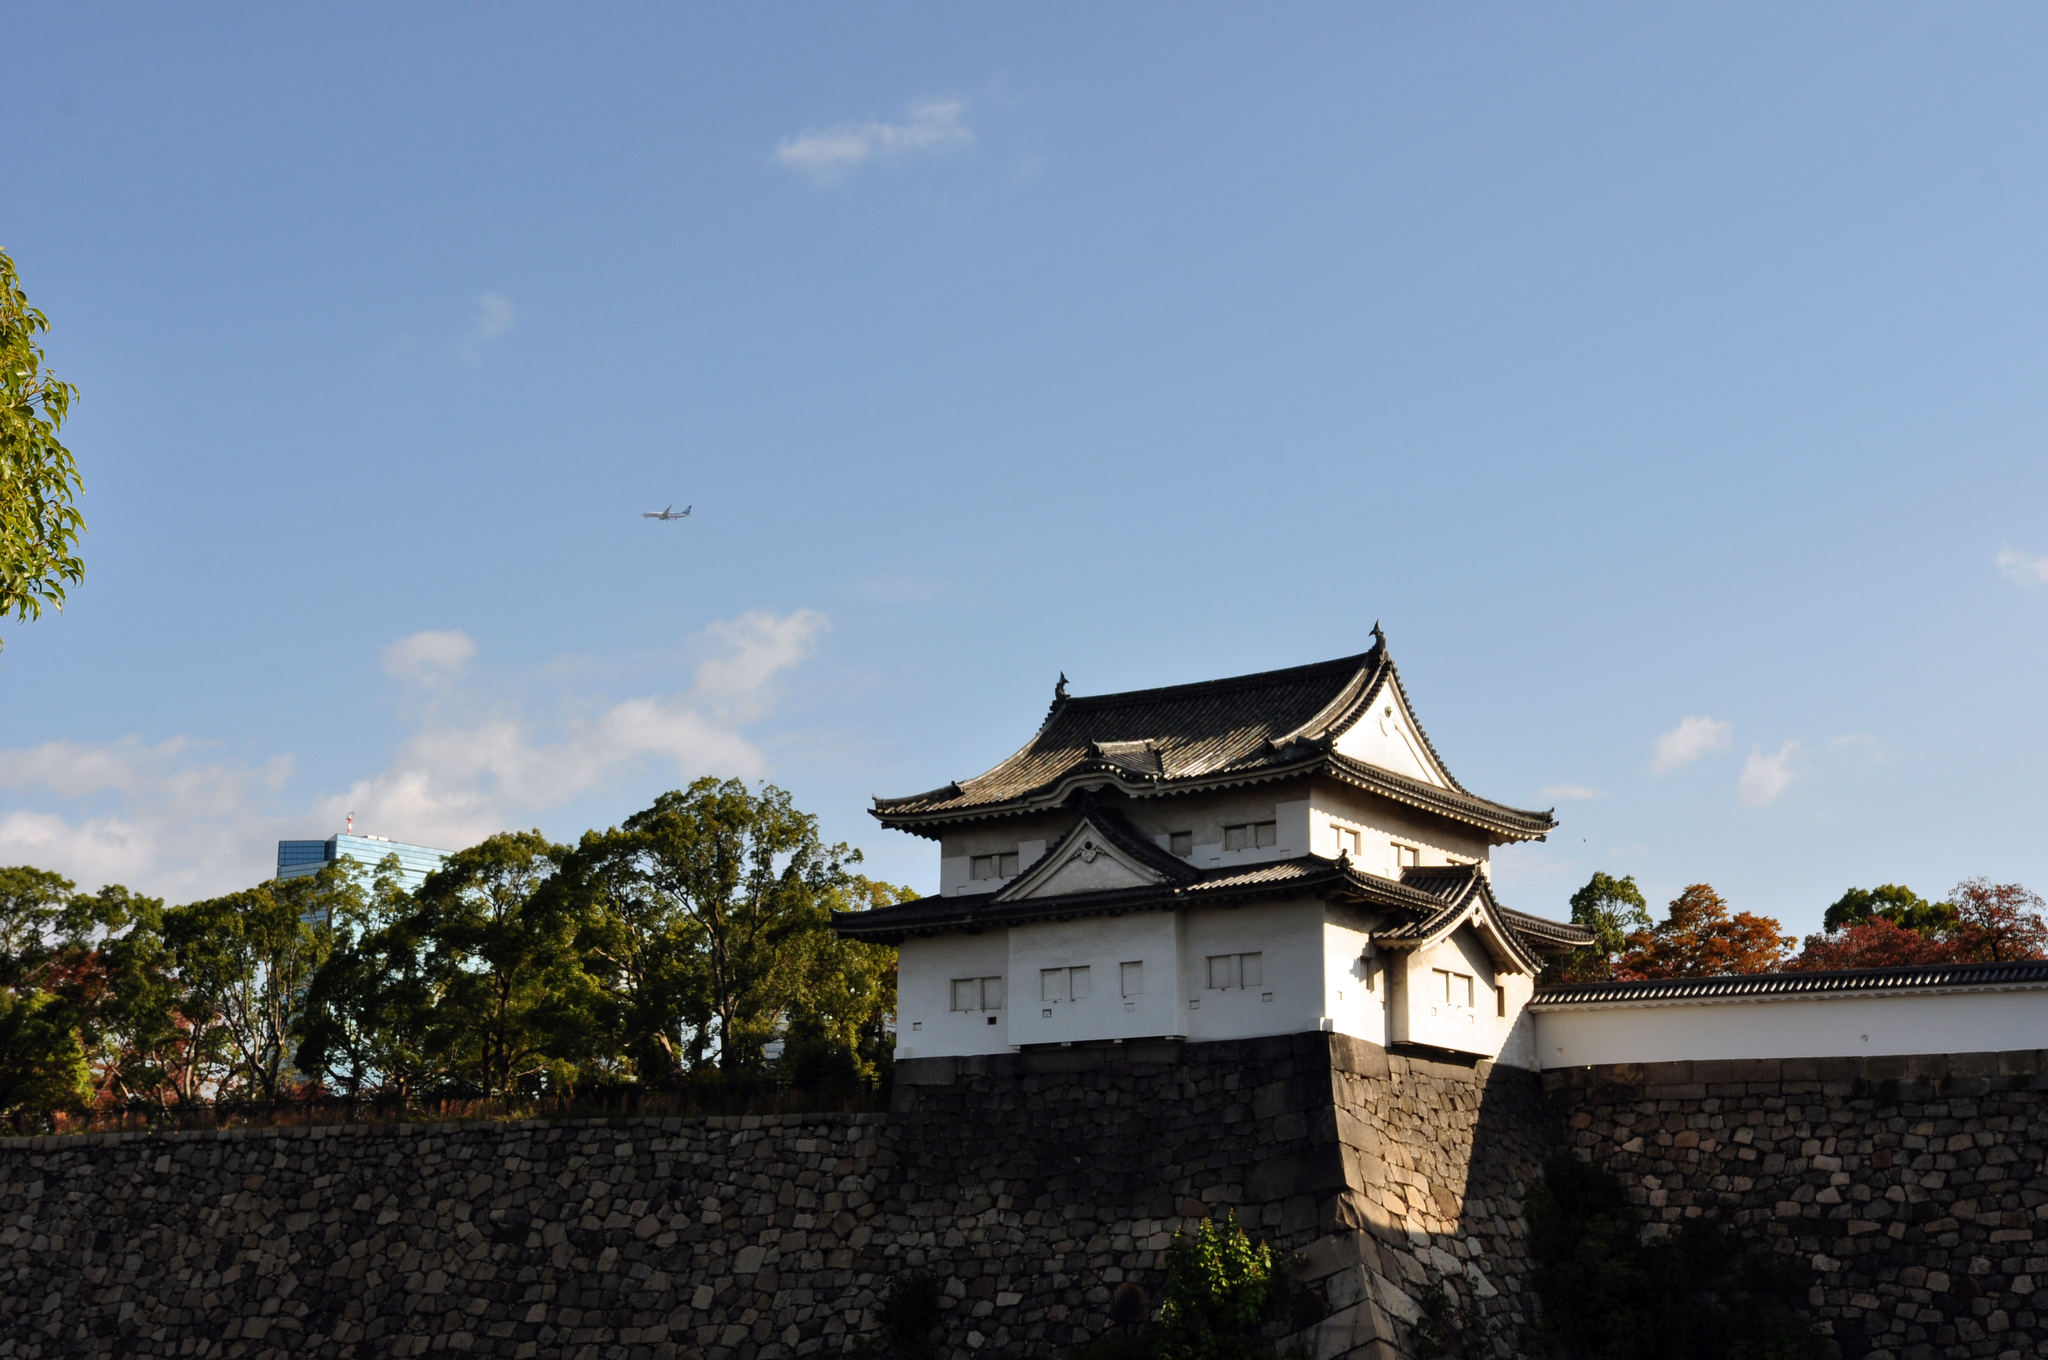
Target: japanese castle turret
[[1270, 854]]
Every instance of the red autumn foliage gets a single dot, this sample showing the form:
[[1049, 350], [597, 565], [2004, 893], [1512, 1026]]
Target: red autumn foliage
[[1876, 943], [2000, 922], [1987, 923]]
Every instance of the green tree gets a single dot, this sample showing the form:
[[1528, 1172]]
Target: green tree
[[245, 962], [42, 1066], [31, 902], [845, 995], [39, 525], [370, 1005], [644, 953], [750, 873], [1892, 902], [508, 999], [1613, 909]]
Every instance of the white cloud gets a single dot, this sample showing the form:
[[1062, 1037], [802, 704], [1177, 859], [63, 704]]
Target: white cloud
[[494, 318], [427, 657], [1687, 742], [825, 154], [2023, 570], [165, 822], [1568, 793], [1765, 777]]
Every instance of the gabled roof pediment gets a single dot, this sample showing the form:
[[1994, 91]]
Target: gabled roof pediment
[[1101, 853], [1382, 732]]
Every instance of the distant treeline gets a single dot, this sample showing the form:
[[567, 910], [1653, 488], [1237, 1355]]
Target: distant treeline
[[668, 953], [1980, 922]]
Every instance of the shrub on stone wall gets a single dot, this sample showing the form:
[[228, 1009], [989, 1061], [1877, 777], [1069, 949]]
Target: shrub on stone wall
[[1220, 1290]]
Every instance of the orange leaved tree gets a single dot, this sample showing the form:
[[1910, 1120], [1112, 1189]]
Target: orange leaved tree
[[1700, 938]]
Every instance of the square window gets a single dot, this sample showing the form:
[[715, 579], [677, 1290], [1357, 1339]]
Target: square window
[[1007, 866], [1079, 987], [1236, 837], [1222, 971], [1181, 842], [1251, 970], [991, 1019], [1134, 979], [966, 994], [992, 994], [1052, 984], [1266, 833], [981, 867]]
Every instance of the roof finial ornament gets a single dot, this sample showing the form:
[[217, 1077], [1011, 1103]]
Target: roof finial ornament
[[1379, 637], [1059, 691]]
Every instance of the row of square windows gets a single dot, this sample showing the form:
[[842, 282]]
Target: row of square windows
[[1226, 971], [1250, 836]]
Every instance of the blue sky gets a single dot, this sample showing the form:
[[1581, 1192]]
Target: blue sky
[[1669, 381]]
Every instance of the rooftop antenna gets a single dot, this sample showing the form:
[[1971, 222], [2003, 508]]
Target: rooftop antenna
[[351, 824]]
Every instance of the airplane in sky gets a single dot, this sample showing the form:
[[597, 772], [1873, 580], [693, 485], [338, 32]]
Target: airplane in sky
[[669, 513]]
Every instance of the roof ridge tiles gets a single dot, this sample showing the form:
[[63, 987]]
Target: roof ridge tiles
[[1899, 977], [1223, 685]]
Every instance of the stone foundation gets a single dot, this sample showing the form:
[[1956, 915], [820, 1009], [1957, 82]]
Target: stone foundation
[[1030, 1185], [1915, 1186]]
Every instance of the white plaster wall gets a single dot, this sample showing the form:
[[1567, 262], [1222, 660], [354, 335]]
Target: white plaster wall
[[1420, 1015], [1103, 944], [1292, 839], [1794, 1027], [1355, 996], [926, 1024], [1289, 936], [1382, 823], [954, 870]]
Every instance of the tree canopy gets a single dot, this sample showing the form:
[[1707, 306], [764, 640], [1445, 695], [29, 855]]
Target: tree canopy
[[686, 946], [39, 524], [1700, 937], [1980, 922]]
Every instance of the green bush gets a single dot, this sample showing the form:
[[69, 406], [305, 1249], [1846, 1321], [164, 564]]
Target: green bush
[[1697, 1294], [1220, 1287]]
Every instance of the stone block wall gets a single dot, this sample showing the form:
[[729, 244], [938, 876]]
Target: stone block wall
[[1915, 1187], [1029, 1185], [1382, 1173]]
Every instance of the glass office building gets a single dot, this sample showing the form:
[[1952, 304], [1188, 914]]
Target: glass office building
[[301, 859]]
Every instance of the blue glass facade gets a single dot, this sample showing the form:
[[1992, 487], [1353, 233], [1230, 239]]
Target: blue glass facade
[[301, 859]]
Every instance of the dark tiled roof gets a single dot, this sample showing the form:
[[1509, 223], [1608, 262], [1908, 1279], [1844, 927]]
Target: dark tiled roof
[[1249, 728], [1426, 899], [1757, 986]]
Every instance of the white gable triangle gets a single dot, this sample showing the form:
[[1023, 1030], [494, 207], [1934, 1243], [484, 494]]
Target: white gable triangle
[[1083, 862], [1385, 735]]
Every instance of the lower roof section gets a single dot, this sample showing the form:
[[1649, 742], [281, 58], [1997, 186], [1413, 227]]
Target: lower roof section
[[1437, 899]]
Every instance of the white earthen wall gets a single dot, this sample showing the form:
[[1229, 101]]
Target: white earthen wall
[[1886, 1024]]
